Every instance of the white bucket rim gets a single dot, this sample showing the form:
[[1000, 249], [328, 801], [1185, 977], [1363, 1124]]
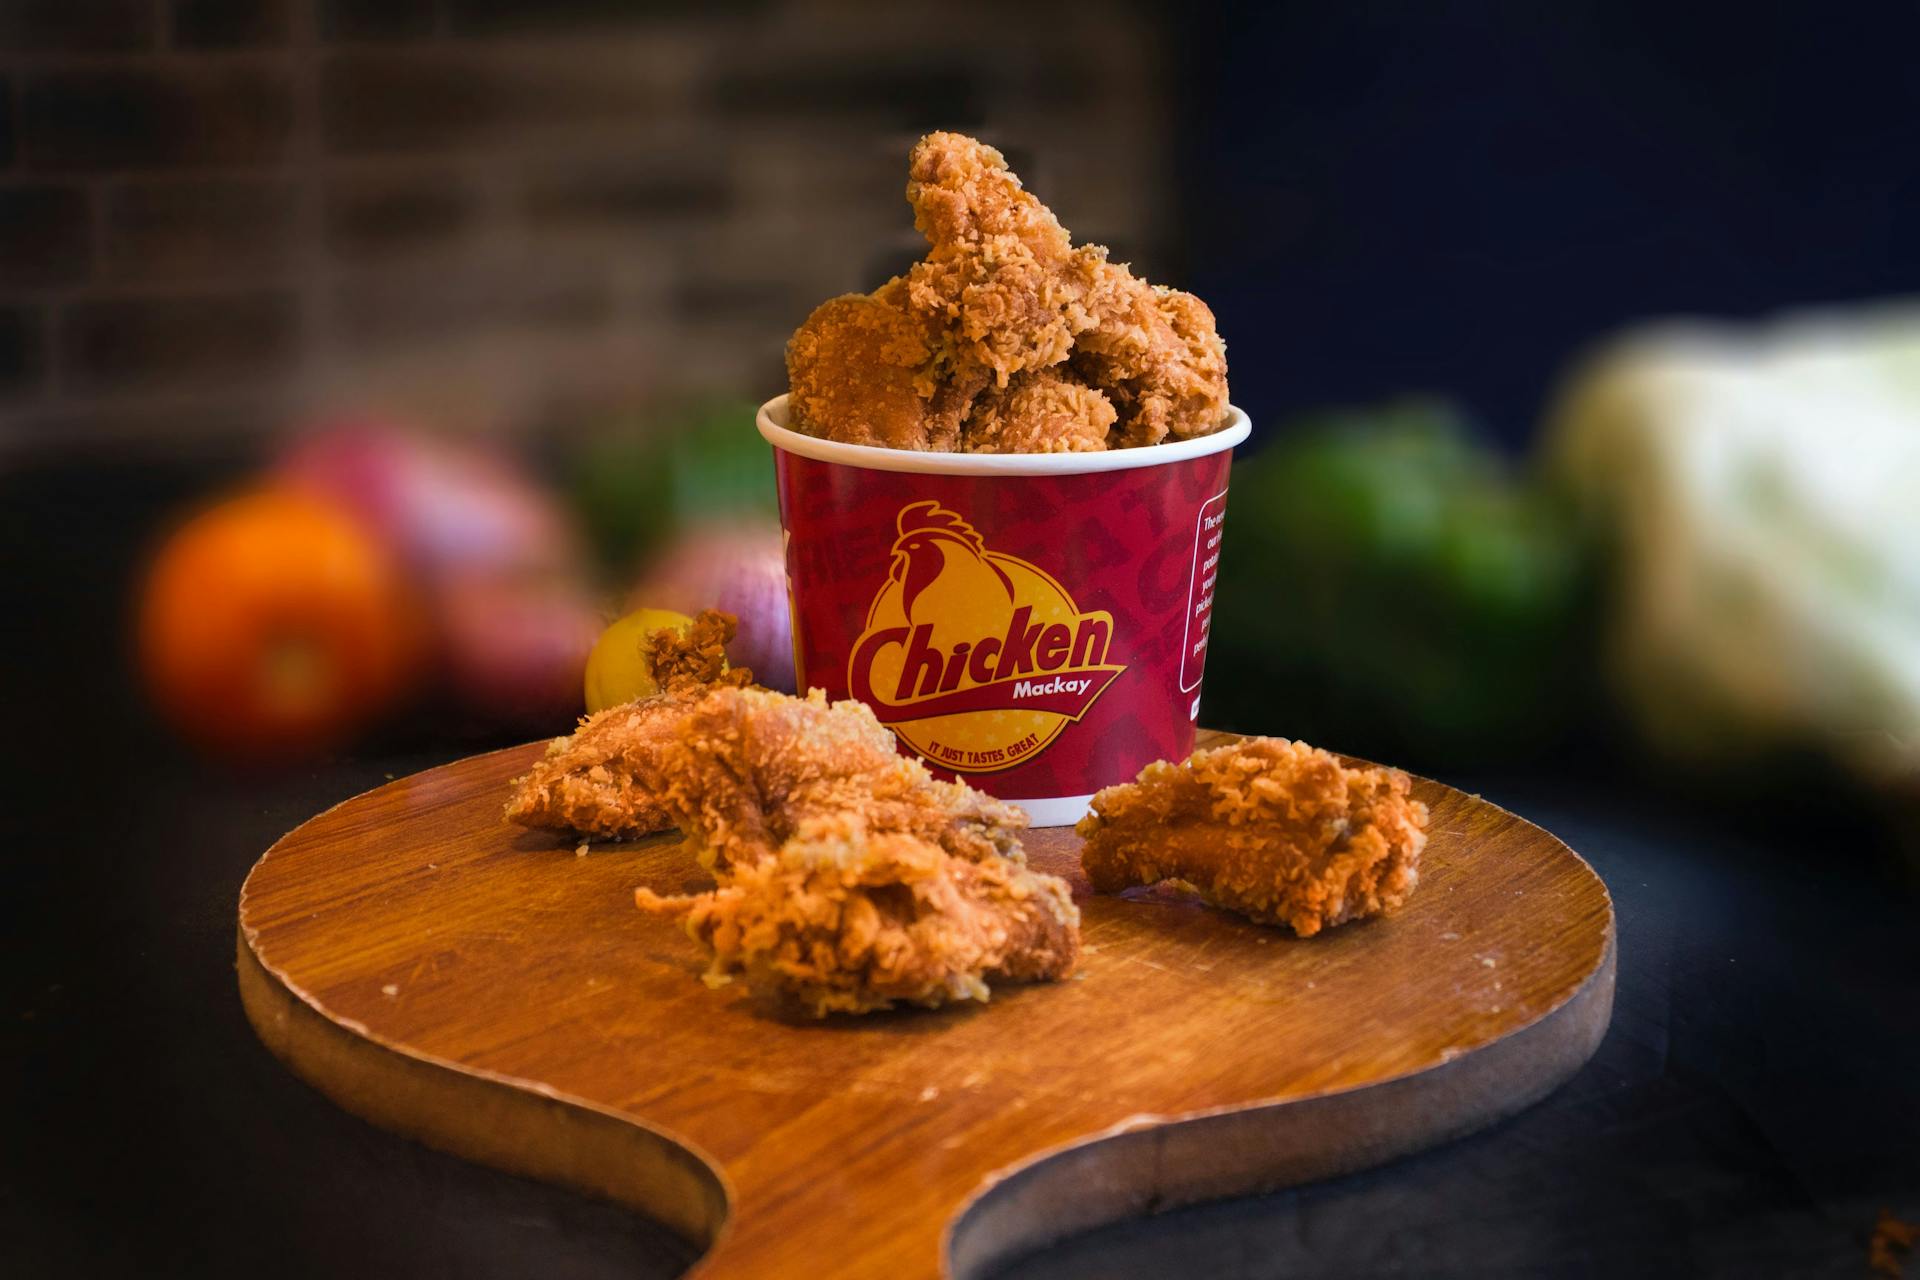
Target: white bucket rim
[[772, 420]]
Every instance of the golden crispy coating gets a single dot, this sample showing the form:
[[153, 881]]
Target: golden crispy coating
[[599, 780], [1279, 831], [1045, 411], [696, 657], [749, 767], [739, 769], [1194, 384], [1002, 295], [845, 920], [992, 279], [1158, 356], [860, 371]]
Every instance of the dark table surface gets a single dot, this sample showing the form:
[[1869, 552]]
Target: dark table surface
[[1754, 1106]]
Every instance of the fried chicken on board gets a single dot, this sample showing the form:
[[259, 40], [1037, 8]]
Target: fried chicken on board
[[849, 878], [1005, 338], [601, 779], [844, 920], [1278, 831], [750, 767]]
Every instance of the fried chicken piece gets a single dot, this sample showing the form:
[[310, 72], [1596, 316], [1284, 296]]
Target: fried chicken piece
[[998, 277], [696, 657], [1892, 1239], [1157, 354], [1279, 831], [860, 371], [602, 779], [846, 920], [1044, 411], [748, 767], [1003, 295]]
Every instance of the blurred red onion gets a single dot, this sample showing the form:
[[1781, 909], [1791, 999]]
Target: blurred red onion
[[444, 508], [516, 652]]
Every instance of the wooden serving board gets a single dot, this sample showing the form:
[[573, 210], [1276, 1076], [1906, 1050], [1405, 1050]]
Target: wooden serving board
[[486, 990]]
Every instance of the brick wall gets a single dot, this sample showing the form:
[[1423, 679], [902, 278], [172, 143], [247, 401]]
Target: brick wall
[[217, 216]]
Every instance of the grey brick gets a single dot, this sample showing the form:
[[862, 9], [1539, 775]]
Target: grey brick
[[398, 102], [760, 302], [403, 103], [517, 17], [23, 350], [196, 228], [113, 344], [600, 195], [376, 19], [367, 217], [44, 235], [908, 93], [224, 432], [124, 118], [76, 26], [377, 312], [231, 24]]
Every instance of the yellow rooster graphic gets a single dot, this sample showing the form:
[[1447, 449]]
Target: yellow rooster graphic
[[945, 576]]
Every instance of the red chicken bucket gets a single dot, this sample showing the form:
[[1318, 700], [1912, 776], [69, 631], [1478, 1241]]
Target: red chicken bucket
[[1035, 624]]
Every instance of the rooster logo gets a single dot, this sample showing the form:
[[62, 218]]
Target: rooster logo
[[976, 659], [933, 542]]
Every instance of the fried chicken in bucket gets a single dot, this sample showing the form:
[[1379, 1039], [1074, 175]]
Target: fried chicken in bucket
[[1005, 338], [1278, 831]]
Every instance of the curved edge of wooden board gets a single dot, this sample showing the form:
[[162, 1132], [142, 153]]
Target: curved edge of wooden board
[[1148, 1164], [1156, 1163], [508, 1125], [1151, 1164]]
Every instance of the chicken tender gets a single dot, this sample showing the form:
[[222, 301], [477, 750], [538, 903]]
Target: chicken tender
[[1045, 411], [1278, 831], [845, 920], [749, 767], [602, 779]]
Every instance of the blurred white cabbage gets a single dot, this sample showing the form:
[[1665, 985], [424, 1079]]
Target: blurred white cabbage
[[1761, 490]]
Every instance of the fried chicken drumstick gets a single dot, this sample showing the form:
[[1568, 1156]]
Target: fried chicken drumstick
[[1278, 831], [1005, 338]]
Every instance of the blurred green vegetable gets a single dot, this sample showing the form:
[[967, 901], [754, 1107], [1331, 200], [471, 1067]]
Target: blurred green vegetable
[[641, 478], [1389, 586]]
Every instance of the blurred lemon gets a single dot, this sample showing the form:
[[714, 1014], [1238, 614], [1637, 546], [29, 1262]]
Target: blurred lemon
[[617, 669]]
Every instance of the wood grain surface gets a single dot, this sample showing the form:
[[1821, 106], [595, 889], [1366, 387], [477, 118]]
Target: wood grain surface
[[485, 990]]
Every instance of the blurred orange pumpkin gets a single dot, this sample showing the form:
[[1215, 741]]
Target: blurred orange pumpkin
[[273, 625]]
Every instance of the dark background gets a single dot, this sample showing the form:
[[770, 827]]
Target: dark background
[[1461, 197], [1375, 198]]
